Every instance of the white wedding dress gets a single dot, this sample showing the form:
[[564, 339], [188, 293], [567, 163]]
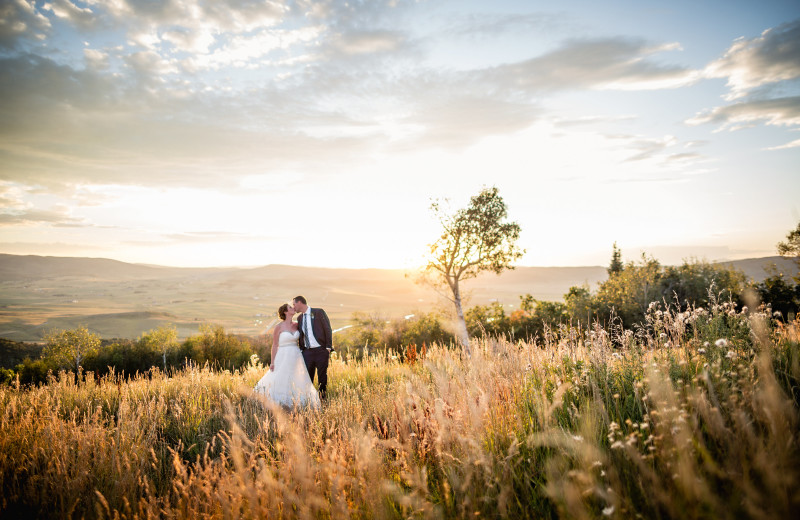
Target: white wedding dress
[[289, 384]]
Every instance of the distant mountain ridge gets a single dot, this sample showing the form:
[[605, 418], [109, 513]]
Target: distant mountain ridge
[[33, 266]]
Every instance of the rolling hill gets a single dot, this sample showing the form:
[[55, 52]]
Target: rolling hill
[[118, 299]]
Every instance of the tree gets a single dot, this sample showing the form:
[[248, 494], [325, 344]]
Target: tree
[[162, 340], [782, 296], [791, 248], [628, 293], [68, 348], [616, 265], [690, 283], [473, 240], [580, 304]]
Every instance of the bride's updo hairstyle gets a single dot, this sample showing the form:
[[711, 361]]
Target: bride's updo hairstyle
[[282, 311]]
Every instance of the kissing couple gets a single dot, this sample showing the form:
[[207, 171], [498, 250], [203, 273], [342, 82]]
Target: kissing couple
[[299, 350]]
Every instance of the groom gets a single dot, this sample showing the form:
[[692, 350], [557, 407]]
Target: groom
[[316, 341]]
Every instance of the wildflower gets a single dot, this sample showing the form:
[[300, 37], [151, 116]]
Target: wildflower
[[577, 438], [617, 445], [701, 351], [608, 511], [721, 343]]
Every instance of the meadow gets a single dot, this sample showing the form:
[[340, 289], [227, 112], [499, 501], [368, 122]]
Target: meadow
[[694, 415]]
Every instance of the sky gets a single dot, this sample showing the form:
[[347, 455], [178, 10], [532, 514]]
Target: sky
[[318, 133]]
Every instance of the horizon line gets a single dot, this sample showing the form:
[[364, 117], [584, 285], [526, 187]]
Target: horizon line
[[257, 266]]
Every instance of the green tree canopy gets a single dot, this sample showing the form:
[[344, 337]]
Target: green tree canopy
[[68, 348], [474, 239]]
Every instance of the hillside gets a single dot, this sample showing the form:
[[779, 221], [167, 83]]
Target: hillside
[[118, 299]]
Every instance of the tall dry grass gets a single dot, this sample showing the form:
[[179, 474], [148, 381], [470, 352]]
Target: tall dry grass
[[694, 416]]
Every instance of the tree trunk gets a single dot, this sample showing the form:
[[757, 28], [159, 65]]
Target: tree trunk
[[461, 323]]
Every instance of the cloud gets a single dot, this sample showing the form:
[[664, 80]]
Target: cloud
[[590, 121], [206, 94], [53, 249], [447, 116], [96, 59], [20, 21], [62, 125], [16, 211], [210, 237], [776, 112], [772, 57], [150, 67], [83, 17], [611, 63], [760, 72], [247, 51], [485, 25], [685, 157], [367, 42], [792, 144], [58, 217], [644, 148]]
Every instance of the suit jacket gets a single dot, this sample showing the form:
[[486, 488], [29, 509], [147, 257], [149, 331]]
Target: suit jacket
[[320, 327]]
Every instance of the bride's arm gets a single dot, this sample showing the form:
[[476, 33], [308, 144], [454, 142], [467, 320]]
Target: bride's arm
[[275, 334]]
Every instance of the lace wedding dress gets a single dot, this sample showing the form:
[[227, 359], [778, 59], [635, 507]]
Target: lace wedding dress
[[289, 384]]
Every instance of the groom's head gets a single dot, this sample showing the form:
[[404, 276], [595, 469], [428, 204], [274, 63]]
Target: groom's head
[[300, 304]]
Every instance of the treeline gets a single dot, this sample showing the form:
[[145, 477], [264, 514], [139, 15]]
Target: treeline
[[80, 349], [625, 297], [371, 334]]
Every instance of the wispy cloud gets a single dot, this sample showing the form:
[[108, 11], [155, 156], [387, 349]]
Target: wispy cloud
[[487, 25], [777, 112], [772, 57], [792, 144], [58, 217], [209, 236], [610, 63], [760, 72]]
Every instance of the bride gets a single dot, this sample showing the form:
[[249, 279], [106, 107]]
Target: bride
[[287, 382]]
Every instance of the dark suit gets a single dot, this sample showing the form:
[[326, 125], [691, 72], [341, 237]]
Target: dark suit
[[317, 358]]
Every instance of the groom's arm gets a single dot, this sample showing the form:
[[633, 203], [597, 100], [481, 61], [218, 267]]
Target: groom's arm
[[326, 329]]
